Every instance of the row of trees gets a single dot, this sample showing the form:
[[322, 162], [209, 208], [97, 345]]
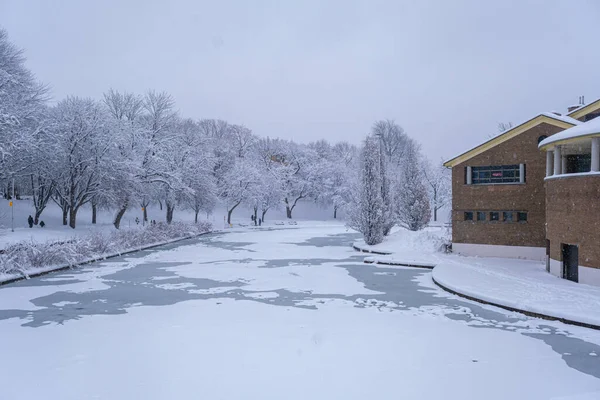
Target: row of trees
[[130, 150]]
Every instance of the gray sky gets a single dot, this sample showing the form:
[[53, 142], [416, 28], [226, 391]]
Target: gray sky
[[447, 71]]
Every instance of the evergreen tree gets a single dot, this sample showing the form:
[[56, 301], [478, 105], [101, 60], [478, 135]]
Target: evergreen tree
[[366, 213]]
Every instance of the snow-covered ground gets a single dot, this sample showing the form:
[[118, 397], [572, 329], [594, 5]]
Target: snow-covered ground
[[404, 246], [519, 284], [55, 231], [288, 312]]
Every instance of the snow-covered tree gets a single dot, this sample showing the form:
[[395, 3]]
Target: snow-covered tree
[[366, 211], [22, 100], [81, 132], [200, 192], [438, 180], [160, 162], [237, 185], [125, 179], [412, 200]]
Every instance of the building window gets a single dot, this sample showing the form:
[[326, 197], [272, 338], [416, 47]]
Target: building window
[[578, 163], [591, 116], [480, 216], [542, 138], [496, 174], [468, 215], [507, 216], [494, 216], [521, 216]]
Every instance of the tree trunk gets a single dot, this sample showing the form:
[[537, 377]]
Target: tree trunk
[[196, 216], [434, 204], [119, 216], [334, 212], [229, 212], [36, 218], [255, 216], [160, 205], [94, 213], [72, 217], [170, 209], [288, 211], [263, 215], [145, 214], [65, 212]]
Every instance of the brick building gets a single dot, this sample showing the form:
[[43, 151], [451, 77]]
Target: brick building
[[504, 204]]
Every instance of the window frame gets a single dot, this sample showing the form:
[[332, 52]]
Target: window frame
[[497, 213], [466, 214], [483, 174], [507, 220], [479, 213]]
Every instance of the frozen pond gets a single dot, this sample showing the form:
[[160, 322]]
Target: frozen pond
[[289, 313]]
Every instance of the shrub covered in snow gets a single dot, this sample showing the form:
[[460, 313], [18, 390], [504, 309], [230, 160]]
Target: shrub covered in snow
[[24, 258]]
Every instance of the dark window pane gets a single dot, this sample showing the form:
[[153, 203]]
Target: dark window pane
[[468, 215], [507, 216], [579, 163], [497, 174], [494, 216], [480, 216], [522, 217]]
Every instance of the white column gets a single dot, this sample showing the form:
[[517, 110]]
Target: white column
[[549, 159], [557, 160], [521, 173], [469, 176], [563, 166], [596, 154]]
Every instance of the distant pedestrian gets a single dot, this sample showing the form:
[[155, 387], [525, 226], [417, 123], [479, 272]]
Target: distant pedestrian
[[30, 221]]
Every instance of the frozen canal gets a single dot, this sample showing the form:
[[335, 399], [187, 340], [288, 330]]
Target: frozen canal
[[289, 313]]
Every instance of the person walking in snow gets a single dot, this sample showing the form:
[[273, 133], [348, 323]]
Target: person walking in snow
[[30, 221]]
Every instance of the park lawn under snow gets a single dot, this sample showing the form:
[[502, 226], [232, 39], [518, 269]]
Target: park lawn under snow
[[249, 348]]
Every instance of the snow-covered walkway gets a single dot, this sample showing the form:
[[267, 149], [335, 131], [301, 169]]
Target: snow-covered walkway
[[521, 285], [512, 283]]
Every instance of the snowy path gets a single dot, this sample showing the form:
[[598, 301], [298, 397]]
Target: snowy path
[[287, 313]]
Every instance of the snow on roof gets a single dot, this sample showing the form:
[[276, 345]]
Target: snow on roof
[[563, 118], [583, 129]]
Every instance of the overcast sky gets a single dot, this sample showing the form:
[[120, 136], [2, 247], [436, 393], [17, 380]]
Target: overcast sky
[[447, 71]]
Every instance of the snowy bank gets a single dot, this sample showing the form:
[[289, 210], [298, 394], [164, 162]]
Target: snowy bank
[[404, 247], [31, 258], [520, 285]]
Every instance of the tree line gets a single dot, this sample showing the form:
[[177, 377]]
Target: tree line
[[131, 150]]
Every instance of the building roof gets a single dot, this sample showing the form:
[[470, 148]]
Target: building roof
[[561, 121], [590, 128], [583, 110]]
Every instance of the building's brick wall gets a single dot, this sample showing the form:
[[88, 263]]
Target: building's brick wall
[[529, 197], [573, 217]]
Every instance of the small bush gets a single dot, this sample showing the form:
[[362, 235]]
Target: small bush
[[25, 257]]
